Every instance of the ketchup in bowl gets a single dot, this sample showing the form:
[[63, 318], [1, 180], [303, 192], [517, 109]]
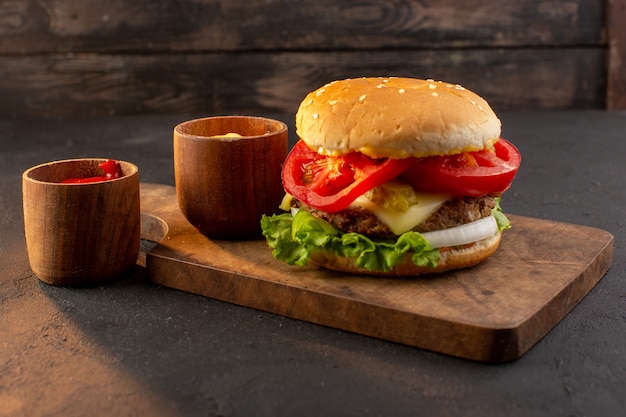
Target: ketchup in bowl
[[111, 168]]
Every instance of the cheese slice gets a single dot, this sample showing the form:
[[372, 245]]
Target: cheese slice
[[400, 222]]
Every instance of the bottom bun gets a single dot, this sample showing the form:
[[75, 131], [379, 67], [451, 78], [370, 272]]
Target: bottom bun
[[450, 258]]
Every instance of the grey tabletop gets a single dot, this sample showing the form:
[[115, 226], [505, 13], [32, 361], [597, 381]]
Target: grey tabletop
[[134, 348]]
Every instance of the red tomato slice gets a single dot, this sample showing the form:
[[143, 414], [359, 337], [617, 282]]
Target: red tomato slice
[[332, 183], [468, 174]]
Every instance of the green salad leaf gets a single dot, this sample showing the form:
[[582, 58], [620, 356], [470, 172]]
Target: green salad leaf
[[292, 239], [502, 221]]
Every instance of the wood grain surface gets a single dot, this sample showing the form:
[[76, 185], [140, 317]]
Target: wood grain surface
[[494, 312], [236, 25], [616, 30], [233, 56]]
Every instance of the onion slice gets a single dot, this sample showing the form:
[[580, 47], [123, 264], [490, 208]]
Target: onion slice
[[464, 234]]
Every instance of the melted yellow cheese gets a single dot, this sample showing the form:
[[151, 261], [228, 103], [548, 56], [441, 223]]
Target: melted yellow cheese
[[400, 222]]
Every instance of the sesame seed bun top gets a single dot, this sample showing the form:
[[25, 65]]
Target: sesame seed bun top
[[396, 118]]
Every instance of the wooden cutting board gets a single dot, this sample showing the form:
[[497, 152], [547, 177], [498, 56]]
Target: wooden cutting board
[[493, 312]]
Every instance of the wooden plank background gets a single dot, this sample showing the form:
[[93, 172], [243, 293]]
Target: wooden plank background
[[91, 58], [616, 28]]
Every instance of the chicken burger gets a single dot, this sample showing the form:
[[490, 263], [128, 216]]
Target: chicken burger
[[393, 176]]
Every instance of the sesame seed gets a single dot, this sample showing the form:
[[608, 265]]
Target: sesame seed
[[480, 107], [459, 87], [309, 102], [432, 86], [320, 92], [362, 97], [449, 86], [381, 86], [332, 102], [430, 80], [435, 94], [315, 115], [401, 91]]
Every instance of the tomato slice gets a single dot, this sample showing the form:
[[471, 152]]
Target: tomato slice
[[466, 174], [332, 183]]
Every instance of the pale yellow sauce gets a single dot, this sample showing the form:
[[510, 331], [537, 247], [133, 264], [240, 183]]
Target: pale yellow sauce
[[228, 135]]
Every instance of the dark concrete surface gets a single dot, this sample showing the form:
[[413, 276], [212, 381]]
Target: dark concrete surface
[[131, 348]]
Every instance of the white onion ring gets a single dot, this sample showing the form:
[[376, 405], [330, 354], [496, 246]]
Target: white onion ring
[[464, 234]]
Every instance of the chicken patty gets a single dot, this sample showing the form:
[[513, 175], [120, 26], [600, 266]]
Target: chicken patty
[[454, 212]]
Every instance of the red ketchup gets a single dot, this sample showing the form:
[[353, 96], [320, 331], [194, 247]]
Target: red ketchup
[[111, 168]]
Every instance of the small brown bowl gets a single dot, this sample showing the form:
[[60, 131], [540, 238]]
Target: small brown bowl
[[81, 234], [225, 184]]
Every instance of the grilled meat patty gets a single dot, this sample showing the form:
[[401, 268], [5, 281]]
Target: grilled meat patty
[[454, 212]]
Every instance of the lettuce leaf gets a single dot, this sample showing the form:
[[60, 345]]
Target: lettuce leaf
[[292, 239], [501, 219]]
